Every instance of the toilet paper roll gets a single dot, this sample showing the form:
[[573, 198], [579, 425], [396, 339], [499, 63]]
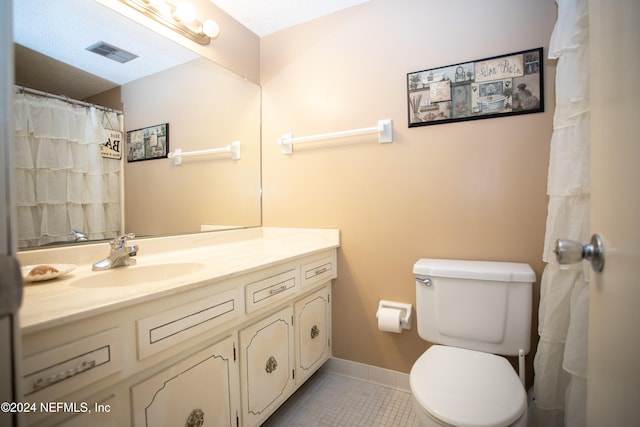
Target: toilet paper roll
[[389, 320]]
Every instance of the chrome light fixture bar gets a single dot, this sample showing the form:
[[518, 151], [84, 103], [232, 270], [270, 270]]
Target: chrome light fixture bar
[[179, 17]]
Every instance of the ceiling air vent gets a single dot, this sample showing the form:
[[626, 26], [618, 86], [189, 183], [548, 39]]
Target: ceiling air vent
[[111, 52]]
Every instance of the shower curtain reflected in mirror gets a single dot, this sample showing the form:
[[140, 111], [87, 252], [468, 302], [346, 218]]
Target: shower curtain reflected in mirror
[[63, 185]]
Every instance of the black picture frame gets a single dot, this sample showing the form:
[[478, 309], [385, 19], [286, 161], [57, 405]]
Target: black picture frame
[[498, 86], [148, 143]]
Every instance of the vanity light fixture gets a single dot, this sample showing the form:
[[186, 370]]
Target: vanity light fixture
[[180, 17]]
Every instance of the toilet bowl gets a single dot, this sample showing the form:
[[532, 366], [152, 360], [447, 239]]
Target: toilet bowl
[[458, 387], [473, 312]]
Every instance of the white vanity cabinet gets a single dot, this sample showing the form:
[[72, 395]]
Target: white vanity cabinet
[[224, 350], [200, 390]]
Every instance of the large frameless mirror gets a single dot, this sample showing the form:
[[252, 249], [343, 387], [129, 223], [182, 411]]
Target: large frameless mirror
[[204, 105]]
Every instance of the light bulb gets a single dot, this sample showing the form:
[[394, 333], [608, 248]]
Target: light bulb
[[185, 12], [210, 28]]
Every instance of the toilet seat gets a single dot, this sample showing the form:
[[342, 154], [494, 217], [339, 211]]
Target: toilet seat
[[467, 388]]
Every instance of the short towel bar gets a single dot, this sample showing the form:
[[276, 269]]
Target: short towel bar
[[384, 131], [233, 148]]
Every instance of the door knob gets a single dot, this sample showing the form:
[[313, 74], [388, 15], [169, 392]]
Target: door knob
[[569, 252]]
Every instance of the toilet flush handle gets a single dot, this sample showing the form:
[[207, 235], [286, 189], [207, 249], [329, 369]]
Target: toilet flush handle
[[424, 280]]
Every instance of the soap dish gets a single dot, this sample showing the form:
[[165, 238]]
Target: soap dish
[[41, 272]]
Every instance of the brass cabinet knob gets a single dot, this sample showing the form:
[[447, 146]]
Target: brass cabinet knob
[[315, 331], [272, 364], [195, 419]]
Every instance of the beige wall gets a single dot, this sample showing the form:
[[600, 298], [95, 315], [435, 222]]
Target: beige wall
[[470, 190], [236, 48]]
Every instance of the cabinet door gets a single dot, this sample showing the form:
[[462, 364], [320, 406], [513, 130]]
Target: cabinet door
[[267, 365], [104, 413], [313, 332], [203, 387]]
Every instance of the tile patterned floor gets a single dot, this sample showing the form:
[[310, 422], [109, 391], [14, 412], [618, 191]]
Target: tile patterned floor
[[329, 399]]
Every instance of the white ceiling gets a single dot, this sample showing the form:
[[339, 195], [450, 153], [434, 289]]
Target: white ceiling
[[268, 16], [63, 29]]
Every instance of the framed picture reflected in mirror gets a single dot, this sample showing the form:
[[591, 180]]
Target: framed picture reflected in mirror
[[148, 143]]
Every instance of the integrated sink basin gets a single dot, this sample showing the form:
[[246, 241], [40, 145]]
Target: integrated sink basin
[[136, 274]]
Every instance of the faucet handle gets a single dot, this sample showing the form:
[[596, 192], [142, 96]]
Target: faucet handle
[[119, 242]]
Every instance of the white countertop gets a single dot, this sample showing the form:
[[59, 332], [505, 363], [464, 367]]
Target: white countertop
[[223, 254]]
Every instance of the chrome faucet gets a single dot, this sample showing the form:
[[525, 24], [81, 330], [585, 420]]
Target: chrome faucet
[[78, 236], [121, 254]]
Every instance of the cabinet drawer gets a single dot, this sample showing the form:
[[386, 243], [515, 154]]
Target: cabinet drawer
[[271, 289], [168, 328], [318, 271], [60, 370]]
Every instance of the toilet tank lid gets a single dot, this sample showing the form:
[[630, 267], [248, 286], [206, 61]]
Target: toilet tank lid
[[478, 270]]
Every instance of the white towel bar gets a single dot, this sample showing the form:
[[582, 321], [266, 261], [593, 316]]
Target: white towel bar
[[233, 148], [384, 131]]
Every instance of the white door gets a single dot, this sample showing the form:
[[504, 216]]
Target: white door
[[613, 390], [10, 281]]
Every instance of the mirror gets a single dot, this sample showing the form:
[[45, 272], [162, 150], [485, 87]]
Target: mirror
[[205, 105]]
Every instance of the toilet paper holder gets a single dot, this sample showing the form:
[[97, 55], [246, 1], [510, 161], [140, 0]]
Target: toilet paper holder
[[405, 311]]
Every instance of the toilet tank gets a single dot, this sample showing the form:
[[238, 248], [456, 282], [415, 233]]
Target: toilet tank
[[478, 305]]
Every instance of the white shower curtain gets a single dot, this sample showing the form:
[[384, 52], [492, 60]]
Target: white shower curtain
[[62, 181], [560, 362]]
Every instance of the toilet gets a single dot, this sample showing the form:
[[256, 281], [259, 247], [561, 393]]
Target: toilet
[[472, 311]]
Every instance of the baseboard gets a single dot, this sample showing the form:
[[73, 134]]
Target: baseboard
[[372, 374]]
